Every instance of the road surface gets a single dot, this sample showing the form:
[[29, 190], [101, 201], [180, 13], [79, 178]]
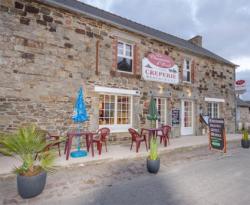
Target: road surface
[[195, 176]]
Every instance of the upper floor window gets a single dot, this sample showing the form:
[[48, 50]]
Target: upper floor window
[[125, 57], [187, 71]]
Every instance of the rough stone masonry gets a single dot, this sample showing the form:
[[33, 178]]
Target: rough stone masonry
[[47, 53]]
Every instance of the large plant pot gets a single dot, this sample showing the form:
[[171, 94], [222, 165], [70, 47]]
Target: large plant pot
[[245, 143], [30, 186], [153, 166]]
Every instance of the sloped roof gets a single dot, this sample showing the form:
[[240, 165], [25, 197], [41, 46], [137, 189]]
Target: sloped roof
[[82, 8], [242, 103]]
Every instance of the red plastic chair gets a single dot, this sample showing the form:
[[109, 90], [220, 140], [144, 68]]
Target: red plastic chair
[[101, 137], [137, 138], [54, 139], [53, 142], [164, 135]]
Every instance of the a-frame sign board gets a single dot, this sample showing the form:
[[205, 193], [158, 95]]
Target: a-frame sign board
[[217, 134]]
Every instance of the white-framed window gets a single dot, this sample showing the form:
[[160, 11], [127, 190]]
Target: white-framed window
[[124, 57], [161, 104], [123, 110], [115, 112], [106, 110], [213, 110], [187, 71]]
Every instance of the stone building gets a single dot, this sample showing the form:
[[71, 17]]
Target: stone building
[[48, 49], [243, 114]]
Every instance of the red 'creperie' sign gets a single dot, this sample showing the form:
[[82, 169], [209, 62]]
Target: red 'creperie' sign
[[240, 85], [240, 82], [160, 68], [160, 60]]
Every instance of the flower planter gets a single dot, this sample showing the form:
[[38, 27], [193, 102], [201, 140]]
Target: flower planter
[[30, 186], [245, 143], [153, 166]]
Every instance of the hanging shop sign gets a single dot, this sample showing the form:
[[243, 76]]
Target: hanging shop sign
[[217, 135], [175, 117], [160, 68], [240, 86]]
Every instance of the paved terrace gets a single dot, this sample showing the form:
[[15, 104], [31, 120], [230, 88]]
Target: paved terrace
[[118, 152]]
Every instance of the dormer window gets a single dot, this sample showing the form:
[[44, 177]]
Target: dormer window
[[124, 57]]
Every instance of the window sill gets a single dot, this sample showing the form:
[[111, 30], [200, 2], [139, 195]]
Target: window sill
[[186, 82], [124, 74], [117, 128]]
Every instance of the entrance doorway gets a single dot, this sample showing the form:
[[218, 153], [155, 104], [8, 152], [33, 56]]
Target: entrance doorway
[[187, 117], [161, 104]]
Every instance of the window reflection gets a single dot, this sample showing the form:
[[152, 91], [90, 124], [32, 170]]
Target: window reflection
[[114, 110]]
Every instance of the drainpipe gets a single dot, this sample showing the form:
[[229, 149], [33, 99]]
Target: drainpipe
[[235, 98]]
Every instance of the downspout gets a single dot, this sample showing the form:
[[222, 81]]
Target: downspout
[[235, 99], [97, 58]]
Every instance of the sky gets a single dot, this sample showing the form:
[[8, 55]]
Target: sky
[[224, 25]]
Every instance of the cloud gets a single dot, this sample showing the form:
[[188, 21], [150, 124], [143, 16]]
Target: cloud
[[243, 61], [102, 4], [225, 25], [168, 16]]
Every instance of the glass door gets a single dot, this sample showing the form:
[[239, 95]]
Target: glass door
[[161, 104], [187, 126]]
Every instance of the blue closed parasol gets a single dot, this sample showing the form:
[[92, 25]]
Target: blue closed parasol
[[80, 115]]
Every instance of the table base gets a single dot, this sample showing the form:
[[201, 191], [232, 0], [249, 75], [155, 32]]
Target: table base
[[78, 153]]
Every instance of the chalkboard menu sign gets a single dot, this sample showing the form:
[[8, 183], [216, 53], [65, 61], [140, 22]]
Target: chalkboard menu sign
[[217, 137], [175, 117]]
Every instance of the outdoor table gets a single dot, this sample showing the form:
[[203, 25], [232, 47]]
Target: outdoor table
[[89, 141], [151, 132]]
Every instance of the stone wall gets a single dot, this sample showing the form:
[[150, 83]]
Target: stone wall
[[244, 117], [46, 54]]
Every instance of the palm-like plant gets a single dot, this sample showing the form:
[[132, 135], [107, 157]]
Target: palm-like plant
[[245, 135], [28, 145], [153, 155], [153, 116]]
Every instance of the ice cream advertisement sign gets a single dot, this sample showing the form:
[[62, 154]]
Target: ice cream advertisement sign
[[160, 68]]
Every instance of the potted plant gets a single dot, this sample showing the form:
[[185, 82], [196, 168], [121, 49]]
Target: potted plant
[[245, 141], [153, 160], [29, 145]]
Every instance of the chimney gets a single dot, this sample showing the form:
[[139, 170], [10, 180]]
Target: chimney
[[197, 40]]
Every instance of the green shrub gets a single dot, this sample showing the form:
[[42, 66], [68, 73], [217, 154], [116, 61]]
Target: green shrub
[[153, 155], [25, 145]]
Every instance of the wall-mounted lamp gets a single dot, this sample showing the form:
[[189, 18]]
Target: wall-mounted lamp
[[160, 89], [189, 93]]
